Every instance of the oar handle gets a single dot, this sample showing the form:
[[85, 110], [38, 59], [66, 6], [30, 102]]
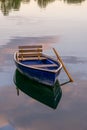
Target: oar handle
[[17, 91], [59, 58]]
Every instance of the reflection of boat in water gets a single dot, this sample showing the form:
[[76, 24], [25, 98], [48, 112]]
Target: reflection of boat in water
[[42, 93]]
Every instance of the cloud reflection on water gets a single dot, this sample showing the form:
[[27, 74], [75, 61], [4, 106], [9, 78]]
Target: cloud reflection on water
[[22, 112], [13, 107], [7, 51], [25, 113]]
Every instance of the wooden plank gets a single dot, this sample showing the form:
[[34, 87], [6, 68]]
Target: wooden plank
[[45, 65], [31, 46], [30, 50], [32, 58], [29, 55], [25, 51]]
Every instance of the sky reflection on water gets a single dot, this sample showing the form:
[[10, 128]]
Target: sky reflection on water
[[22, 112], [61, 25], [68, 22], [25, 113]]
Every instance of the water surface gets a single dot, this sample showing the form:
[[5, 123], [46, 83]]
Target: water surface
[[54, 23]]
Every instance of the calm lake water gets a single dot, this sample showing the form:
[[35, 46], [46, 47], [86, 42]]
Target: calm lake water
[[54, 23]]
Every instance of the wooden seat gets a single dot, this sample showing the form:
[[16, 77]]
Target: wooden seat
[[32, 58], [29, 52], [45, 65]]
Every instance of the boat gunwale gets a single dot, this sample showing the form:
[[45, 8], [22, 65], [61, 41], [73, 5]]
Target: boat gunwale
[[42, 69]]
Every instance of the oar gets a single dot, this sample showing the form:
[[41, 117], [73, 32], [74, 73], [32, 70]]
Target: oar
[[17, 91], [59, 58]]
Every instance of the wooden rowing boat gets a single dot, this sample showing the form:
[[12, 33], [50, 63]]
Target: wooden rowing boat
[[33, 63], [49, 96]]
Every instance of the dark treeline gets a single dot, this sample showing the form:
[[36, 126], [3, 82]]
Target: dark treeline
[[7, 5], [73, 1], [43, 3]]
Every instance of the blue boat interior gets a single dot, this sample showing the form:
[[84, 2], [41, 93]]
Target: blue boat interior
[[44, 63]]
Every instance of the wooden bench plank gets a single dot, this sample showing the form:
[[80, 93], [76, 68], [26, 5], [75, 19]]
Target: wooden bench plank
[[45, 65], [29, 55], [29, 50], [32, 58], [31, 46]]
